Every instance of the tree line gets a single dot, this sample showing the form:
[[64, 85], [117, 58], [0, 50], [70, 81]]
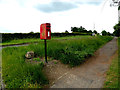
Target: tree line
[[81, 29]]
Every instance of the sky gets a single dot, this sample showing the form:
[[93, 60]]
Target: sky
[[23, 16]]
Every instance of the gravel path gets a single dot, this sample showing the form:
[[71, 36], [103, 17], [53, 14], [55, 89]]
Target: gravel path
[[91, 74]]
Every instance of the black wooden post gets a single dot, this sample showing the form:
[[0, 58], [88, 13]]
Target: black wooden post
[[45, 50]]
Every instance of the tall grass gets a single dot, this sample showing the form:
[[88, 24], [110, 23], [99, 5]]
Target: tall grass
[[71, 51], [19, 74]]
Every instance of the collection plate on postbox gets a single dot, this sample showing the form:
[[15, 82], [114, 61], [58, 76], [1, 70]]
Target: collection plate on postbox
[[45, 31]]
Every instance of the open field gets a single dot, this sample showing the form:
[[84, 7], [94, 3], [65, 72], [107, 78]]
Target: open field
[[113, 75], [17, 73], [32, 40]]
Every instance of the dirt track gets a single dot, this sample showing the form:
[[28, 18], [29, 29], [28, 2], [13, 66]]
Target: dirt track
[[90, 74]]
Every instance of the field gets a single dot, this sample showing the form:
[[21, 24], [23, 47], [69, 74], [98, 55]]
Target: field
[[17, 73], [112, 78], [32, 40]]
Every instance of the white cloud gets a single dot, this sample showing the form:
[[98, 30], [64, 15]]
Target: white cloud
[[21, 16]]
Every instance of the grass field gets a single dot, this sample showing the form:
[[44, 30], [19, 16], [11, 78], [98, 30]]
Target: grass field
[[113, 74], [32, 40], [73, 51]]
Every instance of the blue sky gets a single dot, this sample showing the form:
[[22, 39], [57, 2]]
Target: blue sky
[[27, 15]]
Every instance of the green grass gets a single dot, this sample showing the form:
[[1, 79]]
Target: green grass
[[36, 59], [73, 51], [20, 41], [19, 74], [113, 74], [32, 40]]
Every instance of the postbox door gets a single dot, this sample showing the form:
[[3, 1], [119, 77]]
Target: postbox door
[[43, 31]]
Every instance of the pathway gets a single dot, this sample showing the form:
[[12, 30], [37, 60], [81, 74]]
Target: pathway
[[91, 74]]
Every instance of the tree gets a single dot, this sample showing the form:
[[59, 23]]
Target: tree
[[95, 31], [117, 29], [66, 31], [74, 29], [80, 29], [90, 31], [108, 33], [104, 33], [31, 32]]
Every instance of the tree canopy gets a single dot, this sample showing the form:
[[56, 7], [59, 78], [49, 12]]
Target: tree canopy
[[95, 31], [117, 29], [79, 29], [104, 33]]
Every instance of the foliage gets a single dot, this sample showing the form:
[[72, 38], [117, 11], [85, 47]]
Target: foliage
[[31, 32], [74, 29], [104, 33], [95, 31], [117, 29], [90, 31], [80, 30], [119, 8], [6, 37], [66, 31]]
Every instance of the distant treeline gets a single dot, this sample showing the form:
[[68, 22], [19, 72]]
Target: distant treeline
[[12, 36]]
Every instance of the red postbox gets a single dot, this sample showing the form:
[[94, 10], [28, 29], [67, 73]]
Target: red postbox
[[45, 31]]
